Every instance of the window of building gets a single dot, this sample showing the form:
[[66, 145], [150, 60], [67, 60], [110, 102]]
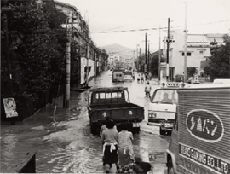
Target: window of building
[[201, 52], [188, 53]]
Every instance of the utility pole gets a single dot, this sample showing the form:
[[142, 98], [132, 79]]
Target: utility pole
[[185, 46], [68, 55], [140, 58], [87, 66], [168, 47], [167, 65], [8, 58], [146, 56], [137, 53], [159, 57], [148, 60], [68, 61], [5, 10]]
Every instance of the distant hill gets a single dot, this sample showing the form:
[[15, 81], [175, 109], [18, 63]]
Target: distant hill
[[118, 49]]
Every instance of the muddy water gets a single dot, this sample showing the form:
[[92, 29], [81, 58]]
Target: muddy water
[[63, 141]]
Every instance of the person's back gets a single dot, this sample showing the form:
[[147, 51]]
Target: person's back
[[148, 88], [109, 136], [125, 139]]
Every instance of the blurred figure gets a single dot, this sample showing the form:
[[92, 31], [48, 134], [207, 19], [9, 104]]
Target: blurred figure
[[148, 89], [142, 78], [166, 98], [138, 78]]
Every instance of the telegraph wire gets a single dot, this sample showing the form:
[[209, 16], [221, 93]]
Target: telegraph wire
[[156, 28]]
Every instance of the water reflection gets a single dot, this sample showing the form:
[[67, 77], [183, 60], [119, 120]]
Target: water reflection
[[8, 143], [67, 145]]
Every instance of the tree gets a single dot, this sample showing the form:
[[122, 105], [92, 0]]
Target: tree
[[220, 61], [191, 71], [40, 43]]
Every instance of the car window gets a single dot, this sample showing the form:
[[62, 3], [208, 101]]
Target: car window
[[165, 96]]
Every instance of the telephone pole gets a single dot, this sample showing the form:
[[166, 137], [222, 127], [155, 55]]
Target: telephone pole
[[159, 56], [146, 56], [140, 59], [87, 66], [185, 47], [168, 47], [148, 67], [167, 65]]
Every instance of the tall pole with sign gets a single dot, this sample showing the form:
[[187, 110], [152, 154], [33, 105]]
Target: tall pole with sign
[[168, 40], [185, 45]]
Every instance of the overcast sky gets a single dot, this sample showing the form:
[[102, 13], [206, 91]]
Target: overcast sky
[[203, 16]]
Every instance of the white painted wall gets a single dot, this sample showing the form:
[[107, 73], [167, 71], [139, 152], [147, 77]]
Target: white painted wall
[[177, 60], [84, 64]]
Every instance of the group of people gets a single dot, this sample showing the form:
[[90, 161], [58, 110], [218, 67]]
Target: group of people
[[117, 146], [140, 78]]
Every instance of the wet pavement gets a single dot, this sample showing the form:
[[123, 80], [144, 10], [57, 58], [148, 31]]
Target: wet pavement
[[62, 139]]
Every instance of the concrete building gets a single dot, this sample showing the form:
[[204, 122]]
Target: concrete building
[[113, 60], [198, 49], [81, 42]]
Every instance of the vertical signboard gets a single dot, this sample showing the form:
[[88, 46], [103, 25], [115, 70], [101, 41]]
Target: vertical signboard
[[10, 107]]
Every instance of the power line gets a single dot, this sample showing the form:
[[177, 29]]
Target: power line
[[145, 29], [156, 28]]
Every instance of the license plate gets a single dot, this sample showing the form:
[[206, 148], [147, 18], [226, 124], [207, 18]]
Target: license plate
[[136, 125]]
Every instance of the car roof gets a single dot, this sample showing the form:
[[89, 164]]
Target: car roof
[[109, 89]]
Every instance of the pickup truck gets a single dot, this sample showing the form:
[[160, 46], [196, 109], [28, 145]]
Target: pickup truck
[[201, 134], [113, 102]]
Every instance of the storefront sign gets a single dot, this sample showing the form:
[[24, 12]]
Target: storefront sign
[[10, 107], [205, 125], [200, 162]]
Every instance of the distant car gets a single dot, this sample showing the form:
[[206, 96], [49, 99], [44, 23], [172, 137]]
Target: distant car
[[128, 76], [221, 81]]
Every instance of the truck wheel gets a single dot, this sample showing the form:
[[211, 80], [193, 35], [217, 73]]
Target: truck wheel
[[170, 167], [93, 130], [137, 130], [162, 132]]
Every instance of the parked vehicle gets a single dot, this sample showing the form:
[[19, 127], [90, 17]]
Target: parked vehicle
[[113, 102], [128, 76], [221, 81], [201, 134], [162, 107], [118, 75]]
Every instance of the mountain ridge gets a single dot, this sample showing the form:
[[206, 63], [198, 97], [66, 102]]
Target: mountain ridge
[[116, 48]]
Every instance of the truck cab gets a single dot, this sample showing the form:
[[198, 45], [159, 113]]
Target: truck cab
[[201, 134], [162, 108]]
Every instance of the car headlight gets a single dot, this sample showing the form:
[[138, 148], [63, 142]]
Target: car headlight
[[152, 115]]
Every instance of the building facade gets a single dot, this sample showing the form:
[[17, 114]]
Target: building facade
[[88, 56], [198, 50]]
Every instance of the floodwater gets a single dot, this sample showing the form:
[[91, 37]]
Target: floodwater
[[62, 139]]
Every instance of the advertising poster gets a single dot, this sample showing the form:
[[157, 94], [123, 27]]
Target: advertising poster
[[10, 107]]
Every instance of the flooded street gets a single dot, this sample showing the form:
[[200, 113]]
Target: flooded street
[[62, 139]]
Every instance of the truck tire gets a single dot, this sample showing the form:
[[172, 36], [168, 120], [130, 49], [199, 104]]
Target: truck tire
[[95, 130], [170, 167], [136, 130], [162, 132]]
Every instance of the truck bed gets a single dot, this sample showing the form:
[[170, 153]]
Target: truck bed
[[118, 112]]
